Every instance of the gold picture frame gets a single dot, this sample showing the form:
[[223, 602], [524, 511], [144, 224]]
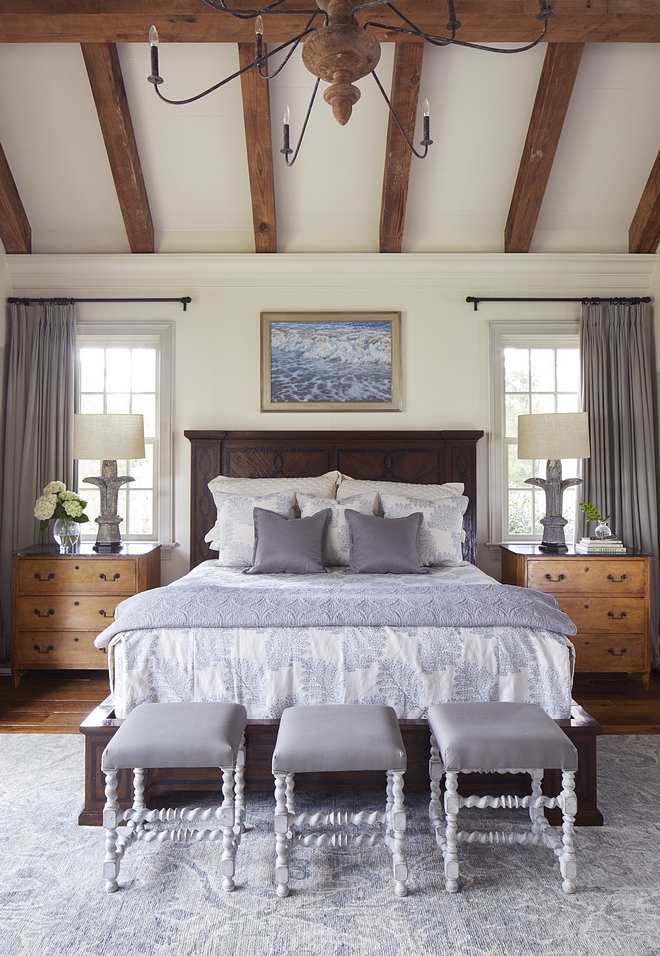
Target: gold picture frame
[[331, 362]]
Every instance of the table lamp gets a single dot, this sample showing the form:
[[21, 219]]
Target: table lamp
[[553, 437], [108, 437]]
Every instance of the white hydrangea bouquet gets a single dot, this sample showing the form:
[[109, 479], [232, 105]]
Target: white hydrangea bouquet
[[56, 502]]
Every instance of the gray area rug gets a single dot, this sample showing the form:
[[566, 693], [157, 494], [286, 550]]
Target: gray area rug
[[342, 903]]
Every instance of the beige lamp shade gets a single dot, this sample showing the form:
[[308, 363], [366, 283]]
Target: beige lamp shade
[[554, 436], [108, 437]]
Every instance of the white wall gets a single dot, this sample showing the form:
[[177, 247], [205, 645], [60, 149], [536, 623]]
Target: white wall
[[445, 342]]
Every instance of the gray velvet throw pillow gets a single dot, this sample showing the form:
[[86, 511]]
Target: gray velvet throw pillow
[[288, 545], [384, 545]]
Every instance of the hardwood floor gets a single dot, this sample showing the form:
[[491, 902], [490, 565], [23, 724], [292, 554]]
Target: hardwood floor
[[50, 702], [55, 702]]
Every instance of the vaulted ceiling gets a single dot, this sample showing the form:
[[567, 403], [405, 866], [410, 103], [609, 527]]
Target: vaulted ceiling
[[553, 150]]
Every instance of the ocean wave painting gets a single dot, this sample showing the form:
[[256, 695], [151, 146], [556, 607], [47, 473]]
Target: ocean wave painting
[[331, 361]]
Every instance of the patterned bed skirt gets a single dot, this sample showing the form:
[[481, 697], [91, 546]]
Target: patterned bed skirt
[[409, 669]]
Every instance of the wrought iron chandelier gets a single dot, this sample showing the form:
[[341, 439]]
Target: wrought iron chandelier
[[338, 52]]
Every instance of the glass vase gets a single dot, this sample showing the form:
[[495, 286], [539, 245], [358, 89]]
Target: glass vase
[[603, 530], [66, 532]]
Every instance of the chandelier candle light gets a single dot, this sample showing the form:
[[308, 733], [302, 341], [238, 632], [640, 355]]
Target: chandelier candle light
[[339, 52], [108, 437], [553, 437]]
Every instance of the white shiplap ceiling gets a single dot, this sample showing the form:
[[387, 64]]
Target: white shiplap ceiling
[[195, 168]]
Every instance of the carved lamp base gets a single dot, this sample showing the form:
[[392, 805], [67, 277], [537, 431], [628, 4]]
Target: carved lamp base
[[108, 538], [554, 540]]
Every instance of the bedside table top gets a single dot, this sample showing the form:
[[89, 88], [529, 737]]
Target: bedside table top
[[533, 550], [85, 549]]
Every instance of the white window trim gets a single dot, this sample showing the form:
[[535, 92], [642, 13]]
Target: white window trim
[[526, 335], [134, 333]]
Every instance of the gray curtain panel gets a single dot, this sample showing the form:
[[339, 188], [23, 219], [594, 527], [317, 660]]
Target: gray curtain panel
[[619, 394], [39, 407]]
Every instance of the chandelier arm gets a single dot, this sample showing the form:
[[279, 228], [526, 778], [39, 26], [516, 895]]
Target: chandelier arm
[[446, 41], [228, 79], [436, 41], [269, 76], [374, 3], [425, 142], [252, 14], [304, 127], [492, 49]]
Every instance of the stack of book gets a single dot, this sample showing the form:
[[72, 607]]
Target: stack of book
[[600, 546]]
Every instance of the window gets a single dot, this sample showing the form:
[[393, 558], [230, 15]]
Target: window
[[127, 369], [535, 369]]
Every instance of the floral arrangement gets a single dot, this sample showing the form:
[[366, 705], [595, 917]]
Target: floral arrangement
[[591, 512], [57, 502]]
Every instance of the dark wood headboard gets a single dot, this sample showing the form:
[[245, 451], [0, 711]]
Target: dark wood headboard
[[423, 457]]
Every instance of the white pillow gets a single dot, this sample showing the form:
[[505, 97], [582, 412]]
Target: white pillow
[[324, 486], [336, 546], [439, 540], [349, 487], [235, 525]]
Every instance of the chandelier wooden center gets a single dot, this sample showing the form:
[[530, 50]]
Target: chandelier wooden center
[[340, 53]]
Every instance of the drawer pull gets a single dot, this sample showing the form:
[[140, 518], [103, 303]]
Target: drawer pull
[[111, 580], [50, 577], [616, 617], [105, 614], [103, 650], [560, 577], [48, 613], [610, 650], [51, 647], [610, 577]]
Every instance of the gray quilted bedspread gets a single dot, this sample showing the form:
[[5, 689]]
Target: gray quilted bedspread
[[335, 600]]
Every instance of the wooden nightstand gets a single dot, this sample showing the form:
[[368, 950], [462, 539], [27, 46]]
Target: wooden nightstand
[[607, 598], [61, 602]]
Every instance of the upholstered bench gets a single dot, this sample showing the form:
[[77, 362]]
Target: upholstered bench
[[338, 738], [504, 738], [176, 735]]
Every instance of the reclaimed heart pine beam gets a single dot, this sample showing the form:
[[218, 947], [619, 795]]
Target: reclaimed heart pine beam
[[15, 231], [406, 78], [259, 146], [644, 232], [191, 21], [106, 81], [560, 69]]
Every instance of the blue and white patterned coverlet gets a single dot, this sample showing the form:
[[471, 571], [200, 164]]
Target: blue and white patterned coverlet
[[228, 599], [405, 665]]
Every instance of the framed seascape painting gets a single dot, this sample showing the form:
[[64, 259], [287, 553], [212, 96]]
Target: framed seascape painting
[[331, 361]]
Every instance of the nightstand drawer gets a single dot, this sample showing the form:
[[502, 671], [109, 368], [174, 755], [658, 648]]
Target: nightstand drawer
[[625, 652], [59, 649], [77, 612], [588, 575], [610, 615], [60, 575]]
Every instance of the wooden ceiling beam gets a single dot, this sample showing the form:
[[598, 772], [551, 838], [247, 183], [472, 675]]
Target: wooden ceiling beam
[[258, 142], [560, 68], [644, 232], [15, 231], [109, 94], [406, 77], [191, 21]]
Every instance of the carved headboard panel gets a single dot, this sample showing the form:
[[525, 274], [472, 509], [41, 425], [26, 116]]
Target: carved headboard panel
[[413, 456]]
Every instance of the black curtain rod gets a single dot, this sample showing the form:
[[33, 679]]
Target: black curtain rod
[[14, 300], [585, 300]]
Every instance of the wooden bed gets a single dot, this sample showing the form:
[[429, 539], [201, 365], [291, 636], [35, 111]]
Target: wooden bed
[[415, 456], [421, 457]]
